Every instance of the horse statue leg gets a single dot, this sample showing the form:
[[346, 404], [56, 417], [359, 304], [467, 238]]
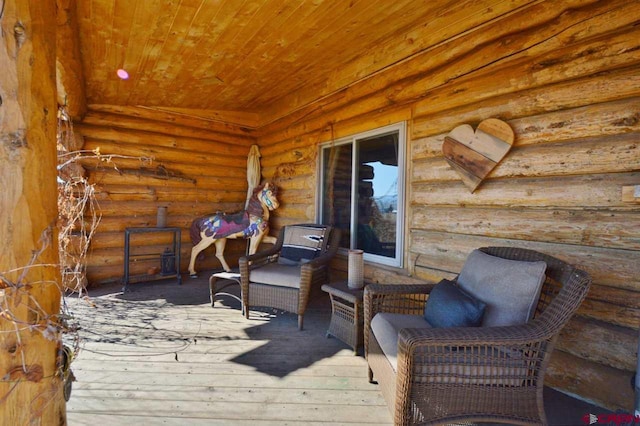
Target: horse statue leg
[[195, 251], [254, 242], [220, 244]]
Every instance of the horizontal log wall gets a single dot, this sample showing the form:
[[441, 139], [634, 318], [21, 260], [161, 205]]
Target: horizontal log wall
[[565, 76], [197, 167]]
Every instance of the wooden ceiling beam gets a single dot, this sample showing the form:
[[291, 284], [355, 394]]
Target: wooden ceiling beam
[[69, 69], [245, 119]]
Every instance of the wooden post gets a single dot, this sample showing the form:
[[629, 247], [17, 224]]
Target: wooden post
[[30, 389]]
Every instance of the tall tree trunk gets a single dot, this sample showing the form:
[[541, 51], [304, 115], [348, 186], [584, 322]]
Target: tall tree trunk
[[30, 389]]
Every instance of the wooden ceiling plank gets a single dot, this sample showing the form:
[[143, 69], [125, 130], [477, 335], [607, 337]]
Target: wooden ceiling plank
[[283, 39], [172, 50], [206, 73], [287, 46], [369, 31], [264, 24], [216, 28], [198, 28], [212, 58], [304, 59], [428, 28], [108, 86], [137, 40], [123, 18], [175, 42], [279, 42], [95, 74], [159, 24]]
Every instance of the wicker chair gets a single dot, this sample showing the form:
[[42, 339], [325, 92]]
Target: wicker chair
[[451, 375], [291, 299]]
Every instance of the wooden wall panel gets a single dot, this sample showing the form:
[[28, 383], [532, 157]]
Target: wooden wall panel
[[566, 79], [621, 153], [608, 344], [598, 382], [582, 227], [612, 267], [585, 192], [198, 167]]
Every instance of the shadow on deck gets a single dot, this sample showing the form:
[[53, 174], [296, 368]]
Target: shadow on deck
[[160, 354]]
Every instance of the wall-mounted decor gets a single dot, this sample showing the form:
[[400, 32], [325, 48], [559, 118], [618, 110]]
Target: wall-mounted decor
[[473, 154]]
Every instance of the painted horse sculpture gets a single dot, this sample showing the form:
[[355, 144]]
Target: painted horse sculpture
[[252, 223]]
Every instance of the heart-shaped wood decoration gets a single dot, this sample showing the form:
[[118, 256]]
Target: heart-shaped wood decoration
[[474, 154]]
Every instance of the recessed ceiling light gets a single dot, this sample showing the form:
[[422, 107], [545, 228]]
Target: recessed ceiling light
[[123, 74]]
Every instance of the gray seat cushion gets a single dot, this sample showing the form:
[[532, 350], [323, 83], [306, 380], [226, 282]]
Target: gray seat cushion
[[386, 326], [509, 288], [276, 274]]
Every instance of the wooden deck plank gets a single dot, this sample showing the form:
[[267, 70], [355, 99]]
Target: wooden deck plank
[[295, 411], [341, 359], [91, 419], [227, 380], [370, 398], [182, 367]]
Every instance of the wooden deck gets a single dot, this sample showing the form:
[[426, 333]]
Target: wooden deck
[[162, 355]]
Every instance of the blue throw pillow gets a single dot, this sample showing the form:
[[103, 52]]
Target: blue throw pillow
[[450, 306]]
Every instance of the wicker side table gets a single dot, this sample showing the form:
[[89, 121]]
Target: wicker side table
[[346, 314]]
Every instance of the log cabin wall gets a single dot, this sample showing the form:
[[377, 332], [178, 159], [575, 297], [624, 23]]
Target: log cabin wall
[[566, 78], [198, 167]]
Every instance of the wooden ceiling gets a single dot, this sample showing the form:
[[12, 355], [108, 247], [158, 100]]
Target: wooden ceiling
[[268, 57]]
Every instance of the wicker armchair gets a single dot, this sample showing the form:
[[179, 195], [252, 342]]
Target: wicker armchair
[[481, 374], [292, 298]]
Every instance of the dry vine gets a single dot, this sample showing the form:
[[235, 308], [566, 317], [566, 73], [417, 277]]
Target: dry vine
[[78, 210]]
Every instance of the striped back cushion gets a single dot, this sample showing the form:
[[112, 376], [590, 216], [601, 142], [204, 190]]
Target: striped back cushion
[[302, 243]]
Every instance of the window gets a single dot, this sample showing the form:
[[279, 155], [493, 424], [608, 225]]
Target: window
[[362, 190]]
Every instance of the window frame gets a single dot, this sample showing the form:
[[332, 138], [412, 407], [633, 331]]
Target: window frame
[[353, 140]]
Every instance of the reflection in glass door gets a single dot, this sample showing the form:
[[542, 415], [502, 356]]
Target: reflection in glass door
[[377, 203], [362, 192]]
